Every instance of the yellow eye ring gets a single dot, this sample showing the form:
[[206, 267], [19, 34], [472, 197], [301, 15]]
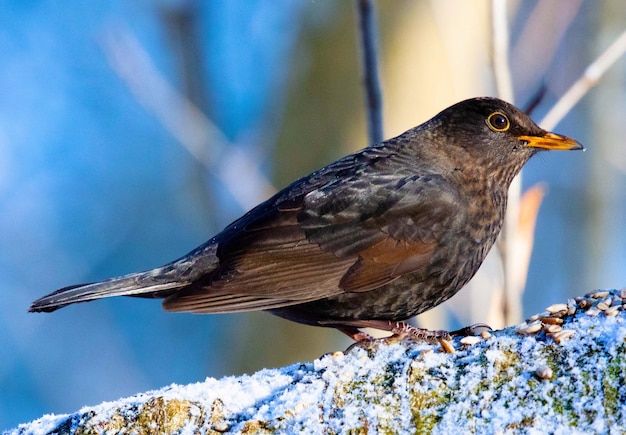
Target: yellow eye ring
[[498, 121]]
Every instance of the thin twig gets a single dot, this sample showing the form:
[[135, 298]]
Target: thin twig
[[500, 48], [535, 99], [368, 37], [191, 128], [511, 303], [590, 78]]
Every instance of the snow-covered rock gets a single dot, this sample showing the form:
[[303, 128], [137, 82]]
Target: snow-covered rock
[[562, 371]]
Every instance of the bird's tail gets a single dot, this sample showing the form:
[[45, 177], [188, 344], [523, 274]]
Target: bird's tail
[[157, 283]]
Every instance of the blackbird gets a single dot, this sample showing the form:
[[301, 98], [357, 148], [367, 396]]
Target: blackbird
[[370, 240]]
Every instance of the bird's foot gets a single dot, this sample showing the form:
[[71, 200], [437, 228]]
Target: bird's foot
[[401, 331], [404, 331]]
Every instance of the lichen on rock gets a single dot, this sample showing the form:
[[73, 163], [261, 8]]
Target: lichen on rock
[[519, 379]]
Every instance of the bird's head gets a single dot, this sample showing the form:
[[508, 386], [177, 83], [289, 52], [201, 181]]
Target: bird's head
[[495, 134]]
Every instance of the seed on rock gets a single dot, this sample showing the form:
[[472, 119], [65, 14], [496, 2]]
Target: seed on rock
[[485, 335], [604, 303], [600, 294], [556, 308], [571, 307], [562, 335], [583, 304], [521, 328], [613, 310], [533, 318], [552, 320], [220, 427], [592, 311], [446, 345], [544, 372], [525, 328], [470, 340], [553, 329]]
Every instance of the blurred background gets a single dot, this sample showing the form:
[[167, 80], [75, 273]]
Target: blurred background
[[131, 132]]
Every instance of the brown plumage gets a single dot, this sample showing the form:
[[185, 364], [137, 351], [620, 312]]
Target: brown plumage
[[374, 238]]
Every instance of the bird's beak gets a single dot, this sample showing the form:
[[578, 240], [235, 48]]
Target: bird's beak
[[552, 141]]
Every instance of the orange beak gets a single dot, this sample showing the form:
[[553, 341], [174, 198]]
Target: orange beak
[[552, 141]]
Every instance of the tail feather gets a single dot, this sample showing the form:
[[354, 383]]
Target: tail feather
[[150, 284]]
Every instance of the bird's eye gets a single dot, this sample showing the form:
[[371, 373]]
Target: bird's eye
[[498, 121]]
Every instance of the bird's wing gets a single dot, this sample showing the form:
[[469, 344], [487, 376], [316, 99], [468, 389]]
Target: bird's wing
[[391, 231], [320, 238]]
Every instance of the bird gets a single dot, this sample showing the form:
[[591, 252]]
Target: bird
[[368, 241]]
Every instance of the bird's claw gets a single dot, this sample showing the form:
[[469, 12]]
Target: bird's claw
[[475, 329]]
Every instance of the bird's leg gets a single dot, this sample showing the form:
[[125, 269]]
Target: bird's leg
[[356, 334], [406, 331], [399, 331]]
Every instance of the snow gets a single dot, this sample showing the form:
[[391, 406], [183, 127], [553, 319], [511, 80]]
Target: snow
[[488, 387]]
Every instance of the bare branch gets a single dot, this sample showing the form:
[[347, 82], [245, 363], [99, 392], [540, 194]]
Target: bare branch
[[500, 48], [509, 239], [368, 37], [590, 77], [191, 128]]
